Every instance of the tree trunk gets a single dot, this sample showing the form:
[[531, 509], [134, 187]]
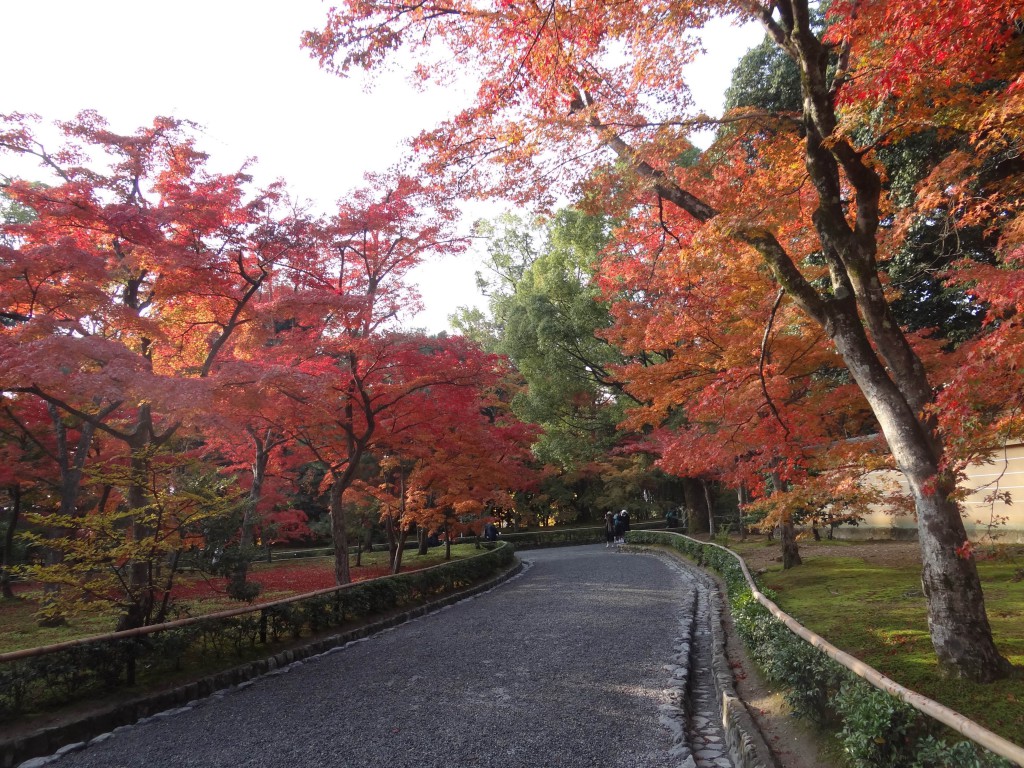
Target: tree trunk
[[393, 543], [247, 535], [958, 624], [957, 621], [367, 545], [790, 551], [140, 581], [787, 533], [172, 569], [693, 498], [421, 534], [71, 466], [339, 533], [741, 497], [397, 530], [7, 556], [711, 508], [396, 566], [141, 585]]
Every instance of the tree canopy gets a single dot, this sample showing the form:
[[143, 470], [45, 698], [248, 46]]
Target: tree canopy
[[833, 286], [175, 341], [789, 214]]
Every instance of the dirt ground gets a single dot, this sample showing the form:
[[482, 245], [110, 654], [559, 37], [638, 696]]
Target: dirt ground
[[794, 743], [887, 553]]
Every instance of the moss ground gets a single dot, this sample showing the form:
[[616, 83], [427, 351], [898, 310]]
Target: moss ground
[[869, 603]]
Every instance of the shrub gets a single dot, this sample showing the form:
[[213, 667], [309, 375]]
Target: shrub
[[73, 673], [933, 753], [877, 730]]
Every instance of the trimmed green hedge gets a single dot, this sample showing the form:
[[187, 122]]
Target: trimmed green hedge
[[876, 729], [107, 663], [567, 537]]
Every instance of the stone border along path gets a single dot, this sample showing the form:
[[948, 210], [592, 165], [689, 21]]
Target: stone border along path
[[565, 667], [713, 727], [75, 733]]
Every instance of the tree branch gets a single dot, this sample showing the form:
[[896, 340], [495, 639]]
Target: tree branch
[[763, 359]]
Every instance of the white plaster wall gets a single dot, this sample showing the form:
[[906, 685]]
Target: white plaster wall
[[986, 512]]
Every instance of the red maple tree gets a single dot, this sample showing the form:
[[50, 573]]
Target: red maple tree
[[594, 95]]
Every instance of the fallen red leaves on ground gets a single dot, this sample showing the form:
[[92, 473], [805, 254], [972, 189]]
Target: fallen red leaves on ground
[[280, 581]]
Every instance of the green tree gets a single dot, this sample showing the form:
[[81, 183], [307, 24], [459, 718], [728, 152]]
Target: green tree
[[765, 78], [548, 319]]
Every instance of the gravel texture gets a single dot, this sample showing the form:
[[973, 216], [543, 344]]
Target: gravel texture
[[562, 666]]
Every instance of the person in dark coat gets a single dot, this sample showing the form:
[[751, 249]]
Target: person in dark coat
[[609, 529], [621, 526]]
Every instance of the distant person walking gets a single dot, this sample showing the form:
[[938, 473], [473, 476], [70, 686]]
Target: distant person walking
[[672, 518], [621, 526], [609, 529]]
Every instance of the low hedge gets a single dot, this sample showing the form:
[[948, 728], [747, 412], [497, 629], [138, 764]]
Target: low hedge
[[874, 728], [75, 671], [564, 537]]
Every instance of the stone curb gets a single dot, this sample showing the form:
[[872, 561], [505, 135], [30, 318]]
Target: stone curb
[[676, 714], [747, 746], [76, 734]]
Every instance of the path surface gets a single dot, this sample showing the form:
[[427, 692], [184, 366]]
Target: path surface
[[571, 664]]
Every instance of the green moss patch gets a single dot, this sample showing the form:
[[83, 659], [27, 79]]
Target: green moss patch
[[878, 614]]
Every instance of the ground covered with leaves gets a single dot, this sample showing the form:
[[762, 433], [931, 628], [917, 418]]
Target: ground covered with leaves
[[195, 594]]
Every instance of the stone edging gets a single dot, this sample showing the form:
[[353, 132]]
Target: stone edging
[[45, 743], [747, 746], [746, 742]]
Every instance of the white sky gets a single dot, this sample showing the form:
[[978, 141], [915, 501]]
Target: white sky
[[235, 67]]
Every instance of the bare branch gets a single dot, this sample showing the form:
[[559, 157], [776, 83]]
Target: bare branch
[[764, 357]]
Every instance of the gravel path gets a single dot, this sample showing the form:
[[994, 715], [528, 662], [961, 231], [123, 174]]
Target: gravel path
[[563, 666]]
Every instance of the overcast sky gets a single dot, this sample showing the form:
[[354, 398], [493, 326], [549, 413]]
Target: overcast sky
[[235, 67]]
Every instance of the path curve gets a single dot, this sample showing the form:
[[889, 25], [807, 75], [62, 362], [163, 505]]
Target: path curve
[[569, 664]]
